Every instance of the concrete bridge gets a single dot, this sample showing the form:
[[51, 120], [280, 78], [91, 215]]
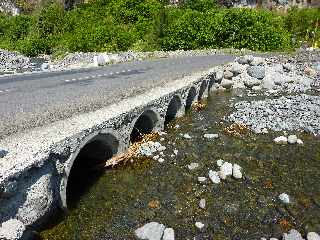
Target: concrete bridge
[[45, 158]]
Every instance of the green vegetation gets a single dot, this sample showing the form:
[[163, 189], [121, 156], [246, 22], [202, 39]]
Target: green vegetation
[[145, 25]]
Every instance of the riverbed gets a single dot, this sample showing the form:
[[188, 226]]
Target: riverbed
[[143, 190]]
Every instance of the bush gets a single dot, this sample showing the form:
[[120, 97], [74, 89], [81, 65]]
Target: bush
[[304, 24], [237, 28]]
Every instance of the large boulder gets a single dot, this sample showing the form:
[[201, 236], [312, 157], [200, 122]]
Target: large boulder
[[258, 72]]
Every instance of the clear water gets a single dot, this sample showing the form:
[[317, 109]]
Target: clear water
[[119, 202]]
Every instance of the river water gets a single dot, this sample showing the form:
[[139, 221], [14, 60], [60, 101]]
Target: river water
[[131, 195]]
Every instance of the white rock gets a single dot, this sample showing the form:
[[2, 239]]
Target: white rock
[[12, 229], [187, 136], [299, 141], [156, 157], [150, 231], [222, 175], [226, 83], [193, 166], [220, 162], [236, 171], [214, 176], [281, 140], [292, 235], [202, 179], [160, 160], [284, 198], [273, 239], [210, 136], [292, 139], [226, 168], [161, 148], [175, 152], [202, 204], [199, 225], [168, 234], [313, 236]]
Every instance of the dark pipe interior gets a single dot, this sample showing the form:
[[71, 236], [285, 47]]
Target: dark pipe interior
[[143, 125], [191, 96], [173, 108], [87, 169]]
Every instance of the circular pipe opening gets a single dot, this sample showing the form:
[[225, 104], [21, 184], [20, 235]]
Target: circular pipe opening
[[191, 97], [173, 109], [143, 125], [87, 167], [203, 88]]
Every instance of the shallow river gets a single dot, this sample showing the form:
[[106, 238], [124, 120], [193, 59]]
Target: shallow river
[[129, 196]]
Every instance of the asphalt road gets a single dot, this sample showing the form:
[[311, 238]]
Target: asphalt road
[[36, 99]]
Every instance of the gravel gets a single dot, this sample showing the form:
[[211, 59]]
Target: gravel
[[290, 113]]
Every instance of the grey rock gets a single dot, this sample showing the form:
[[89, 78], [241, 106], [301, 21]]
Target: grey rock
[[257, 61], [150, 231], [292, 235], [247, 59], [288, 67], [168, 234], [211, 135], [12, 229], [228, 74], [251, 82], [235, 69], [258, 72]]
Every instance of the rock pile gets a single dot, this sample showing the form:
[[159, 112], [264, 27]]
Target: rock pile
[[290, 113], [13, 61], [256, 73]]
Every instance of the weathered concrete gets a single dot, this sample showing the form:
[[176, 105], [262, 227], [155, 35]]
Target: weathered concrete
[[34, 174]]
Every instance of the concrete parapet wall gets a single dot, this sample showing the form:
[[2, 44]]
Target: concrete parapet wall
[[34, 174]]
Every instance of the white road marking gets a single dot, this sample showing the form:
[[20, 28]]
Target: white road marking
[[117, 72], [99, 75], [111, 73]]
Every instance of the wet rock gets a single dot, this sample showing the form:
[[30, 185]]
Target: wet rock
[[150, 231], [168, 234], [3, 153], [226, 168], [220, 162], [227, 75], [284, 198], [236, 171], [226, 83], [210, 136], [202, 204], [199, 225], [202, 179], [292, 235], [281, 140], [186, 136], [214, 176], [12, 229], [313, 236], [299, 141], [292, 139], [193, 166], [256, 72]]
